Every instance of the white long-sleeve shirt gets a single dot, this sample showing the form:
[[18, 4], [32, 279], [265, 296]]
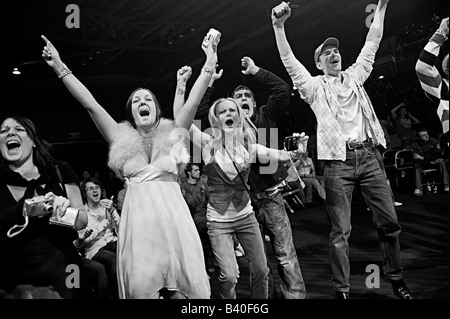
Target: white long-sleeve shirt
[[102, 226], [341, 105]]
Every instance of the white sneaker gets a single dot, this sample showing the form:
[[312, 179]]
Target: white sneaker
[[396, 204]]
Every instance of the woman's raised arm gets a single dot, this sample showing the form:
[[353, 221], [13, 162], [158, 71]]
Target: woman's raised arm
[[104, 122], [185, 116]]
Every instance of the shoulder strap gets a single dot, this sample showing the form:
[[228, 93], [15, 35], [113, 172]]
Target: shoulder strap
[[61, 180], [237, 170]]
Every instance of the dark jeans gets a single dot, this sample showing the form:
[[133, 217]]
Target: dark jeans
[[310, 184], [108, 258], [276, 221], [97, 279], [360, 168], [202, 229], [421, 165]]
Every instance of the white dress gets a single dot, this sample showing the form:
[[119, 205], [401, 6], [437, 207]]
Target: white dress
[[158, 243]]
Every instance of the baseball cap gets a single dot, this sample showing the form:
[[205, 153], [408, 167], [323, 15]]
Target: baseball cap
[[328, 41]]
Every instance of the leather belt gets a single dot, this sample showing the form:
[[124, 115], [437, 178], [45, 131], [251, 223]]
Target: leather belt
[[267, 194], [359, 145]]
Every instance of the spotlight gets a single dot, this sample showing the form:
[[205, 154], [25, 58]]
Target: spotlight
[[16, 71], [381, 77]]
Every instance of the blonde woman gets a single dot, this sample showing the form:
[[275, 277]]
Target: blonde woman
[[228, 153]]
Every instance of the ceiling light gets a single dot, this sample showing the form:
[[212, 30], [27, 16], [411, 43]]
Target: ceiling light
[[16, 71]]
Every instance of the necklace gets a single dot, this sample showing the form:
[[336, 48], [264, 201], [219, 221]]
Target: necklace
[[239, 157]]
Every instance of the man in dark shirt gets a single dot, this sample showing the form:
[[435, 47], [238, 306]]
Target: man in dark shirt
[[427, 153], [195, 192]]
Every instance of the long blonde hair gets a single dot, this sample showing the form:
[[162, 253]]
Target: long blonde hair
[[245, 135]]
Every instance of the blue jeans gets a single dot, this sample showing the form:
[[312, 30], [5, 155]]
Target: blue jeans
[[97, 279], [248, 234], [108, 258], [360, 168], [276, 222], [310, 183]]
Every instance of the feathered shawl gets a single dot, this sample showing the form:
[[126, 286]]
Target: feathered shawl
[[165, 138]]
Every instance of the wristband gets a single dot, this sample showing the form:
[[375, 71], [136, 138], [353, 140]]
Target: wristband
[[63, 71], [181, 88], [442, 32], [439, 37], [207, 71], [295, 155]]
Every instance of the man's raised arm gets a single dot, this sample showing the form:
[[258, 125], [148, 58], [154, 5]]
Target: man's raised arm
[[376, 29]]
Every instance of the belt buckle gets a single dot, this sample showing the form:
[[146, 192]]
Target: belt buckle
[[356, 145], [359, 145], [352, 145], [261, 195]]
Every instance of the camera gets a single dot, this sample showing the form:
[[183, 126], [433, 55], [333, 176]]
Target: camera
[[68, 220], [213, 35], [38, 206], [291, 143]]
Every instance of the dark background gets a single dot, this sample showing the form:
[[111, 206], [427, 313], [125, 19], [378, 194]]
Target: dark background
[[124, 44]]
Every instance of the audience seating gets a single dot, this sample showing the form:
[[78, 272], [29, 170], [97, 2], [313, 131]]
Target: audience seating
[[404, 164], [291, 194]]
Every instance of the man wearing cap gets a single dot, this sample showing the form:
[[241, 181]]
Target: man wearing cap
[[348, 132]]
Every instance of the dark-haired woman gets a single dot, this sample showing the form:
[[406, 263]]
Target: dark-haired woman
[[159, 253], [33, 251]]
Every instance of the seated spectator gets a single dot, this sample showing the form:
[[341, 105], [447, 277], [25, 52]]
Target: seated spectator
[[97, 279], [35, 252], [404, 124], [195, 192], [379, 156], [427, 153], [445, 146], [99, 238], [307, 172]]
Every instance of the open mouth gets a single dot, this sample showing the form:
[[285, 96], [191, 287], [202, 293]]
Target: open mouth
[[144, 111], [12, 145], [229, 122], [245, 107]]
